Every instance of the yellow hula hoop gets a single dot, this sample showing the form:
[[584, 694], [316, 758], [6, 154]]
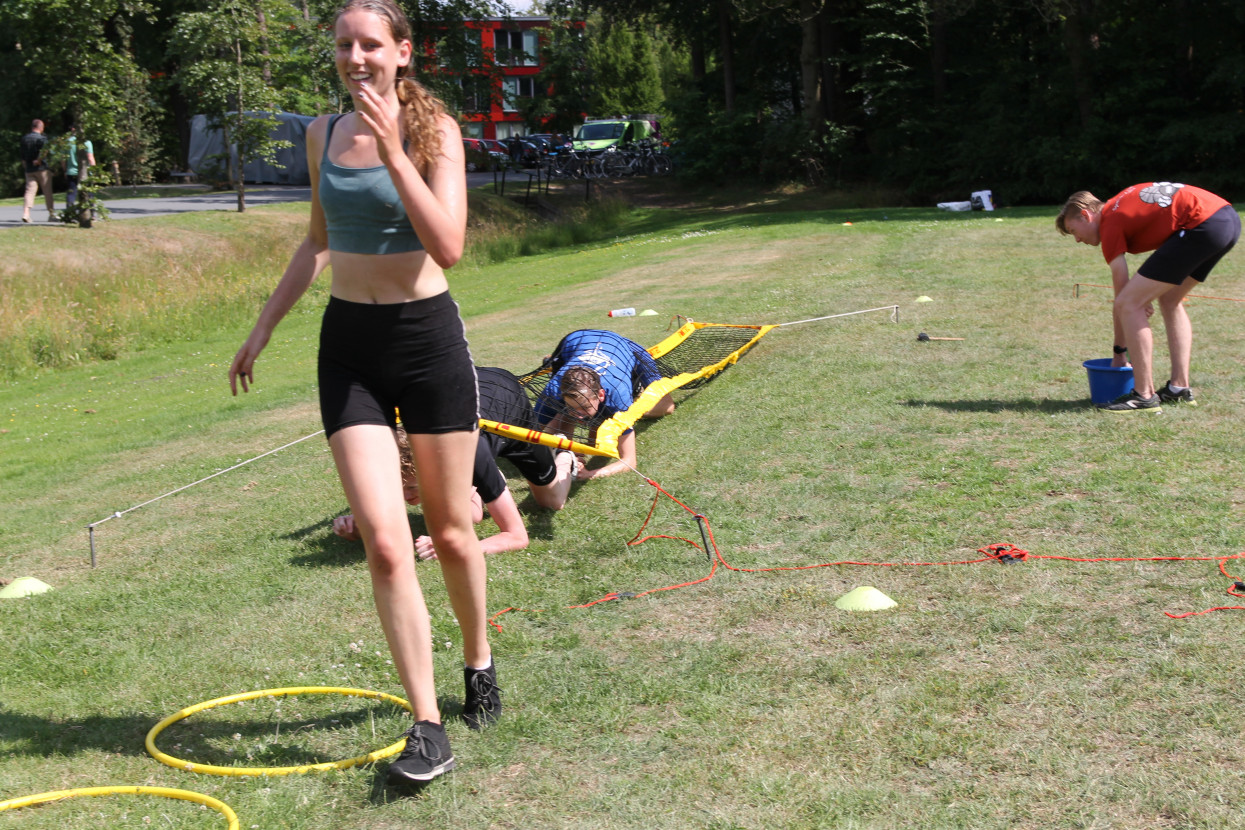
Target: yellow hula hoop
[[164, 792], [209, 769]]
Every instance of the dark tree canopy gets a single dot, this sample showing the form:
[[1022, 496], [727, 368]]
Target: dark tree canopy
[[1030, 98]]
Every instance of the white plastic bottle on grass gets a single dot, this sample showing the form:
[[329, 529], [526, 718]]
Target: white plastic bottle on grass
[[622, 312]]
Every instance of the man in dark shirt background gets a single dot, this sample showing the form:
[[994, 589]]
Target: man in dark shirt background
[[38, 174]]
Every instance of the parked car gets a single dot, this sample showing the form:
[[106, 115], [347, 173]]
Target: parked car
[[496, 146], [525, 150], [558, 143], [479, 156], [540, 142]]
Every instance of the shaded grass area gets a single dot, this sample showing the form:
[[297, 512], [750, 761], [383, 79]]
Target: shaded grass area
[[1035, 695]]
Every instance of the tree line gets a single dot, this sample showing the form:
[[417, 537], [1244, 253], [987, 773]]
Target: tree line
[[133, 73], [934, 98], [1031, 98]]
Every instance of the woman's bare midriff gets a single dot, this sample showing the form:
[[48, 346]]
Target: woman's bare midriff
[[386, 278]]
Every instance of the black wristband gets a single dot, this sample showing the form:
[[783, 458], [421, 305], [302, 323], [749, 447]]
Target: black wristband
[[1119, 349]]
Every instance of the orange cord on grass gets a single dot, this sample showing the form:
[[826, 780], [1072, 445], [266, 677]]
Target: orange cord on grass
[[1235, 591], [1003, 552], [1238, 586]]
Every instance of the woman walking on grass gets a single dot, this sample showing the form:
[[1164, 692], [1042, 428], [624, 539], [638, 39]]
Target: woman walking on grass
[[388, 212]]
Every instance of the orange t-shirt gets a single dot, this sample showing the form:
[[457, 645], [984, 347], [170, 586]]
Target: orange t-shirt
[[1144, 216]]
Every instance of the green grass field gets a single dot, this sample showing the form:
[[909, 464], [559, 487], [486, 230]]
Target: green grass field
[[1044, 694]]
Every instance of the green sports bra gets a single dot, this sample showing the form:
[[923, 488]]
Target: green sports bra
[[362, 209]]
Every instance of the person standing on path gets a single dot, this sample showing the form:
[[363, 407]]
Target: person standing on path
[[38, 175], [77, 168]]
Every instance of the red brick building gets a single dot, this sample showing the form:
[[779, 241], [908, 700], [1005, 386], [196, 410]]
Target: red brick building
[[522, 37]]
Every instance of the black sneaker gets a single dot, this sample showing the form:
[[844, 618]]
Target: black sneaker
[[1169, 395], [483, 703], [1132, 402], [427, 754]]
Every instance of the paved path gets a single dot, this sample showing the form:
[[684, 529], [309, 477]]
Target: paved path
[[11, 216]]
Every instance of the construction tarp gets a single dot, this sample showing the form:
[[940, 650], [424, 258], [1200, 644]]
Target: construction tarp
[[291, 166]]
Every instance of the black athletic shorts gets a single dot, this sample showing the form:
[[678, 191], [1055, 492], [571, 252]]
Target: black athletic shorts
[[412, 357], [502, 399], [1195, 251]]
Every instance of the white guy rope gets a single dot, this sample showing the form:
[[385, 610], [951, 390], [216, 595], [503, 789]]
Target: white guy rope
[[893, 309], [118, 514]]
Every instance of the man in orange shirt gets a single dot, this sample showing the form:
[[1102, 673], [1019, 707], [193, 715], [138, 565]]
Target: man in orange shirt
[[1189, 230]]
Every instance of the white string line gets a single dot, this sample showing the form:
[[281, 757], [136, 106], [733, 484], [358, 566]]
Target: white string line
[[894, 317], [121, 513], [894, 310]]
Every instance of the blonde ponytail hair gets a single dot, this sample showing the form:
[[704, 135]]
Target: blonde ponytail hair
[[421, 110]]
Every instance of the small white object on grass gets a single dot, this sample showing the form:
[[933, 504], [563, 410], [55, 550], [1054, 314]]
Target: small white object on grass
[[24, 586], [864, 598]]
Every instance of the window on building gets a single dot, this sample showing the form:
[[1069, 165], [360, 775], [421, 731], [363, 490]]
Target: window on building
[[516, 89], [505, 129], [474, 97], [523, 47], [461, 53], [478, 92]]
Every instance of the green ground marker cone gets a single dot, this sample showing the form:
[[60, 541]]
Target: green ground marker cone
[[864, 598], [24, 586]]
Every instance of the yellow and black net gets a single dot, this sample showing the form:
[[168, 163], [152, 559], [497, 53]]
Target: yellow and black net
[[686, 360]]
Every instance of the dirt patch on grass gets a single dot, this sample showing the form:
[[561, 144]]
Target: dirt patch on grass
[[685, 266], [676, 194]]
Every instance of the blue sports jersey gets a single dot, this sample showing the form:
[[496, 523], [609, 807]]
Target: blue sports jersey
[[624, 367]]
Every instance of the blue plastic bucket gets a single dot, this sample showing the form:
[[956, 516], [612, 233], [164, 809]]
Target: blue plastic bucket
[[1107, 382]]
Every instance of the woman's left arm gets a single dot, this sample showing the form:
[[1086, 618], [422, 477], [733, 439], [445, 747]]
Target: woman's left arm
[[436, 202]]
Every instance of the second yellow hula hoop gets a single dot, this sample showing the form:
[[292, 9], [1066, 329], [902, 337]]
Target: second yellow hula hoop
[[164, 792], [209, 769]]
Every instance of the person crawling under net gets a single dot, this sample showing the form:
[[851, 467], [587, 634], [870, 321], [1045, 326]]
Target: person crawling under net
[[597, 374], [549, 476]]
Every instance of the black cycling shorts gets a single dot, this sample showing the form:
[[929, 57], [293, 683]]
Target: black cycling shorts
[[410, 357], [1195, 251]]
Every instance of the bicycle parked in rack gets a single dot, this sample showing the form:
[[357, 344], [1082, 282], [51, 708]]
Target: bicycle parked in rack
[[642, 158], [567, 164]]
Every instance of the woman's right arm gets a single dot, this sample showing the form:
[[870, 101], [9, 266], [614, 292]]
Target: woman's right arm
[[308, 261], [306, 264]]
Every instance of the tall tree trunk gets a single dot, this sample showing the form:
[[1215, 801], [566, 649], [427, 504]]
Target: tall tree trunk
[[181, 121], [265, 55], [315, 84], [727, 56], [698, 59], [812, 84], [938, 51], [832, 90], [241, 114], [1076, 42]]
